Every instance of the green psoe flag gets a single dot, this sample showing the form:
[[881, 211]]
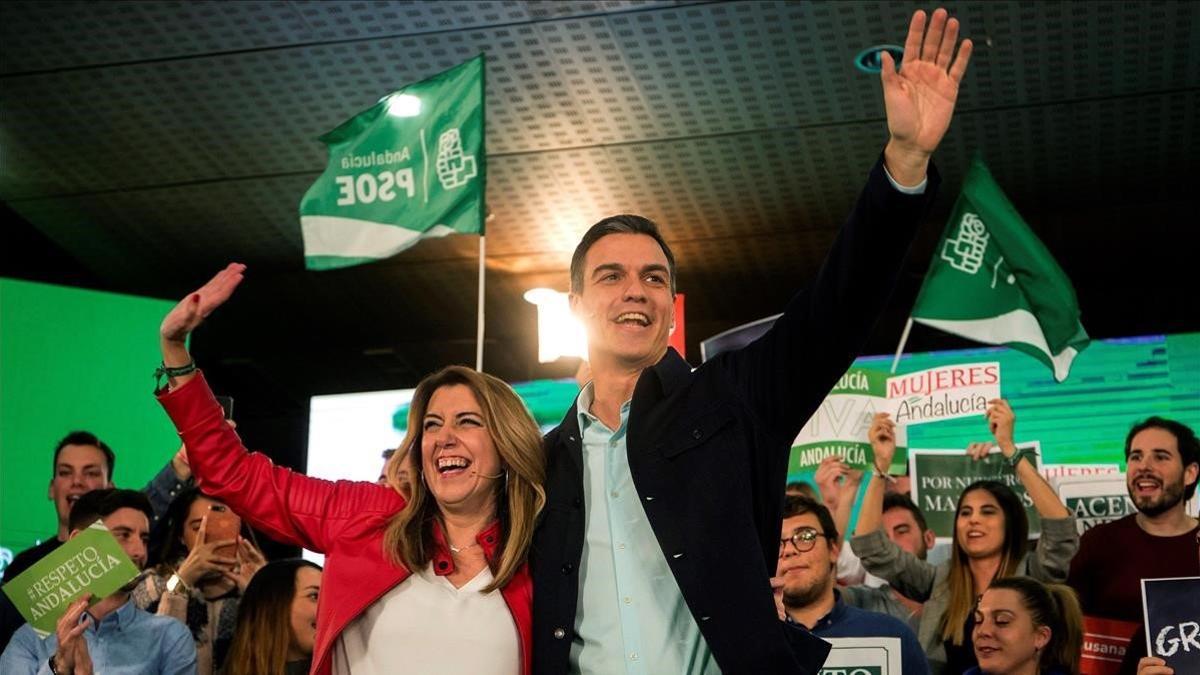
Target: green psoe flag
[[992, 280], [412, 166]]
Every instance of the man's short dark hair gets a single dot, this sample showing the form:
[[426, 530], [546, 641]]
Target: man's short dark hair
[[622, 224], [896, 500], [1185, 438], [97, 504], [798, 505], [85, 438]]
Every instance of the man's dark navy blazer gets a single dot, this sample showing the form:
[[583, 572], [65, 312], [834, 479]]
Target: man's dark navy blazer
[[708, 451]]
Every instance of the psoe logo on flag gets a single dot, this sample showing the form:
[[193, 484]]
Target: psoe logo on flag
[[965, 252], [454, 169]]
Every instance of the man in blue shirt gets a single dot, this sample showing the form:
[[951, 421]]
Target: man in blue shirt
[[806, 585], [113, 636], [664, 484], [83, 462]]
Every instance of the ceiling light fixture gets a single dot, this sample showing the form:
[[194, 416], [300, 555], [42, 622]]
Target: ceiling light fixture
[[404, 105]]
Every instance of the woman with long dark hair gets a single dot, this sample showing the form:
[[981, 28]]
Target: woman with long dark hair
[[436, 581], [990, 542], [197, 580], [1025, 627], [277, 621]]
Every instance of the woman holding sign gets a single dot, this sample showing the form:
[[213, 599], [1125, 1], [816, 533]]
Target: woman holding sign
[[989, 542], [435, 582]]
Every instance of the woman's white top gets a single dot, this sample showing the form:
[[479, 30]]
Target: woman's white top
[[426, 626]]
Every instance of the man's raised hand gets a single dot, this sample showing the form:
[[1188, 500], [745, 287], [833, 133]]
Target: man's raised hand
[[920, 97]]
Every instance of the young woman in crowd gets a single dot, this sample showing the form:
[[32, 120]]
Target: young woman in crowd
[[277, 621], [199, 581], [989, 542], [438, 582], [1025, 627]]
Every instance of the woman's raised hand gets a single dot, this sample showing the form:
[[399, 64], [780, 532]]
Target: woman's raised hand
[[193, 309]]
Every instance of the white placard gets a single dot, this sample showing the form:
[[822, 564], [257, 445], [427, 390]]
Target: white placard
[[1094, 499], [1052, 472], [863, 656], [943, 393]]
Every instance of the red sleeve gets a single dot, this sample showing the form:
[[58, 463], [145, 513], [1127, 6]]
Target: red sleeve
[[287, 505]]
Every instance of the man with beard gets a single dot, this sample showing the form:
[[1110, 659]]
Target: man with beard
[[1160, 540], [806, 585], [112, 635]]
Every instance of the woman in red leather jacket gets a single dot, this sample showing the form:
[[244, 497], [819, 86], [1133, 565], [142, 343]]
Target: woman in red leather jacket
[[434, 583]]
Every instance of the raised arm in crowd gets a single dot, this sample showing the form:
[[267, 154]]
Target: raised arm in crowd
[[989, 542]]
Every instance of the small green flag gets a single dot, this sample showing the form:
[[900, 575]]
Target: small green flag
[[90, 562], [993, 281], [411, 166]]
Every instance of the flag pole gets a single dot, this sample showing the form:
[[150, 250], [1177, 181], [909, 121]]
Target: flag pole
[[479, 316], [903, 341]]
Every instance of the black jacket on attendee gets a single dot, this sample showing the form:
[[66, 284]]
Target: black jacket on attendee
[[708, 450]]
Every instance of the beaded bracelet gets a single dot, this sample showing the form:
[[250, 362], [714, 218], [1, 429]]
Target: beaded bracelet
[[1020, 454], [169, 372]]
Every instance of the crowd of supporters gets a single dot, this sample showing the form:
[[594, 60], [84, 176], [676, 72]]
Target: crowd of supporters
[[638, 536], [208, 601]]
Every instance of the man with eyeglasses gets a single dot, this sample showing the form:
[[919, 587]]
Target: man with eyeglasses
[[806, 586]]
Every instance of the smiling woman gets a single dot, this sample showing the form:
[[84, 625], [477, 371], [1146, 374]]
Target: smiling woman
[[989, 543], [277, 620], [399, 569]]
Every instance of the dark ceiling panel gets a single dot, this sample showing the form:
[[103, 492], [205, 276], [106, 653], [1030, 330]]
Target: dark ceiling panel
[[155, 141]]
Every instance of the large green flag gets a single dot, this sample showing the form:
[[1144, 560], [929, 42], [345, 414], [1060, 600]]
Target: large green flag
[[411, 166], [992, 280]]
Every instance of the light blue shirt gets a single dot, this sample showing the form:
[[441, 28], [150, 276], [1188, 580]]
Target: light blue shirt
[[631, 618], [128, 641]]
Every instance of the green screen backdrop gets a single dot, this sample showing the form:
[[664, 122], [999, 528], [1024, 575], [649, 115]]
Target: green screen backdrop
[[73, 359]]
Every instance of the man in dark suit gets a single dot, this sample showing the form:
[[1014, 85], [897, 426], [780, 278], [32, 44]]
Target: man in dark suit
[[664, 484]]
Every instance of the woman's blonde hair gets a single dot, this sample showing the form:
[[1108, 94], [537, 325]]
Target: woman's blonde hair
[[1012, 552], [520, 497]]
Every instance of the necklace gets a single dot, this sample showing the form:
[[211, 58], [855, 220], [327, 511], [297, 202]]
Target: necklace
[[460, 549]]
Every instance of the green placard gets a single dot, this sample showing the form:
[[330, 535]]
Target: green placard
[[1094, 500], [90, 562], [839, 426], [939, 477]]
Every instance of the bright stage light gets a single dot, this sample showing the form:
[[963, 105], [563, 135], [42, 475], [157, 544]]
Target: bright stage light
[[559, 332]]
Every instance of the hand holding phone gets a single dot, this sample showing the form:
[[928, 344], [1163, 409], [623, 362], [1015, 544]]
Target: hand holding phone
[[223, 525]]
